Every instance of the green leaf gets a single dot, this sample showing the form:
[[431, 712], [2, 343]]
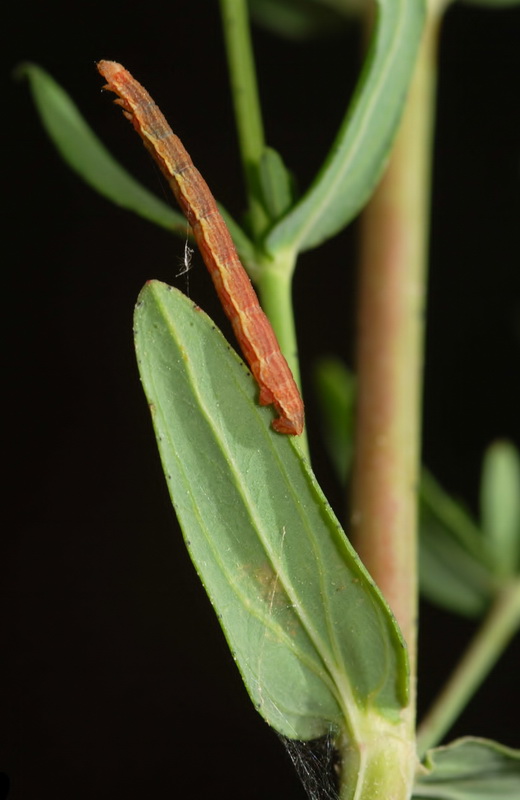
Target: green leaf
[[500, 505], [275, 183], [455, 567], [362, 146], [87, 155], [335, 387], [470, 769], [301, 19], [449, 576], [309, 631]]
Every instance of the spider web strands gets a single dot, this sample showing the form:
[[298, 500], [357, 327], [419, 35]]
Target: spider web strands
[[240, 303], [317, 764]]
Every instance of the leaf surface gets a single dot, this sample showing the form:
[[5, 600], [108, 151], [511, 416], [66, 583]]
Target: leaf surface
[[81, 149], [336, 391], [455, 566], [87, 155], [500, 505], [309, 631], [471, 769], [361, 149]]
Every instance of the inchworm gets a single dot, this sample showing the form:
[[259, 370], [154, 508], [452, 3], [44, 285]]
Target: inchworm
[[251, 326]]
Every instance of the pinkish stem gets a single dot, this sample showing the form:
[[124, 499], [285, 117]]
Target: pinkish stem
[[393, 264]]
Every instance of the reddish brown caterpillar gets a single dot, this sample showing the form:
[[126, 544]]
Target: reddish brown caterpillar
[[251, 326]]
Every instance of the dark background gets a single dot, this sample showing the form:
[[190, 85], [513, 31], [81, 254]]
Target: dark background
[[117, 679]]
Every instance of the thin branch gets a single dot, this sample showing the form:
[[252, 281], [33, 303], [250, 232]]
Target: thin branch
[[248, 115], [484, 651]]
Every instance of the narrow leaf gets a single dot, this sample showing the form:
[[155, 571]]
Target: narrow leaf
[[276, 184], [81, 149], [362, 146], [335, 388], [450, 576], [86, 154], [300, 19], [310, 633], [470, 769], [500, 505], [455, 567]]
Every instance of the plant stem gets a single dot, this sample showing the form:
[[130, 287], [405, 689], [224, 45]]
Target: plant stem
[[392, 278], [488, 644], [275, 289], [274, 279], [246, 102]]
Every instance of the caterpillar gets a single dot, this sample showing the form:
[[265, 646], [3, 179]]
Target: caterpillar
[[251, 326]]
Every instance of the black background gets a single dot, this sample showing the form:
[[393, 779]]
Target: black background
[[118, 681]]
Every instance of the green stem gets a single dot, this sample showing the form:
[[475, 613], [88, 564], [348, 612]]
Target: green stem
[[488, 644], [246, 102], [392, 285], [273, 279], [379, 763], [275, 289]]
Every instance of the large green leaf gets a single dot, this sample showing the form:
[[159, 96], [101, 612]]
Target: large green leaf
[[309, 631], [360, 151], [470, 769]]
